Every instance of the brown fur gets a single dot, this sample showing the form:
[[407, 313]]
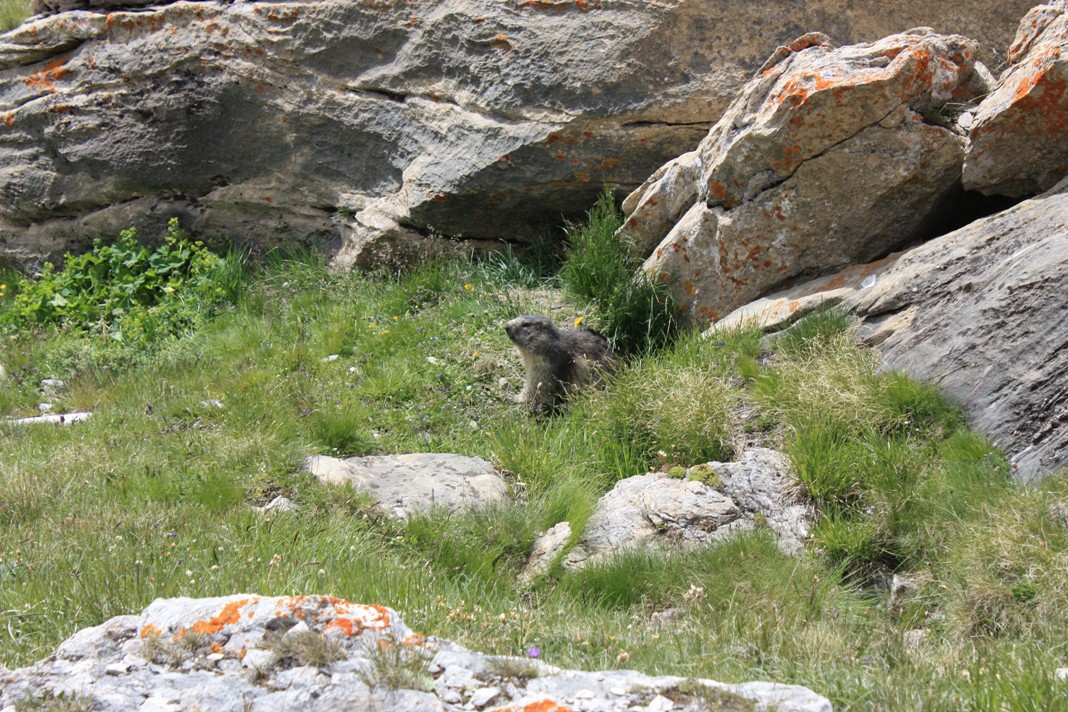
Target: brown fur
[[557, 361]]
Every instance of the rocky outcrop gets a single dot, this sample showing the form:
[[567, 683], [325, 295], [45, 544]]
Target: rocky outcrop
[[978, 312], [702, 505], [249, 652], [404, 485], [827, 157], [1018, 143], [366, 126]]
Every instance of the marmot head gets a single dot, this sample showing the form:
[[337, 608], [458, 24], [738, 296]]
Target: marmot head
[[532, 330]]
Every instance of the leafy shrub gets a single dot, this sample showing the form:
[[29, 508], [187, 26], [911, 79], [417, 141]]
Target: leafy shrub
[[636, 312], [135, 295]]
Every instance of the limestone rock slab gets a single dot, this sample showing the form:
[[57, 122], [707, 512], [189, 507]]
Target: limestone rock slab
[[184, 654], [336, 123], [1017, 144], [826, 157], [404, 485]]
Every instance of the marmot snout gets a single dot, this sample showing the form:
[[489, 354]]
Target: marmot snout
[[557, 361]]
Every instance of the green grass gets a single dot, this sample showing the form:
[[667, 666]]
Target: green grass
[[154, 495], [12, 13], [633, 309]]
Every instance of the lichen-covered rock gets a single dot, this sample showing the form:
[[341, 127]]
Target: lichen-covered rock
[[1018, 143], [404, 485], [249, 652], [703, 505], [338, 123], [827, 157], [979, 312]]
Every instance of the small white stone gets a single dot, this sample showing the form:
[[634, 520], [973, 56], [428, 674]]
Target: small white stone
[[300, 628], [484, 696], [214, 657], [45, 408], [618, 691], [331, 357], [117, 669], [280, 504], [432, 360], [502, 383], [213, 403], [585, 695], [1062, 673], [51, 385], [159, 703], [258, 658], [660, 704]]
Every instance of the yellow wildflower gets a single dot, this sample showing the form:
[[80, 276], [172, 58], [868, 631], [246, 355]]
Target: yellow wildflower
[[578, 322]]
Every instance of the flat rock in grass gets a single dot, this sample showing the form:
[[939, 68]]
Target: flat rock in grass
[[710, 503], [404, 485], [53, 419], [185, 653], [547, 547]]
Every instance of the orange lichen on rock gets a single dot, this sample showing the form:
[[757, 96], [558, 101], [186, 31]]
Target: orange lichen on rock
[[501, 42], [545, 705], [230, 614], [46, 78], [150, 631]]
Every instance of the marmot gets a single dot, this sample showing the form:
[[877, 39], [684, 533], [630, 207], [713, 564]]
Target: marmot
[[557, 361]]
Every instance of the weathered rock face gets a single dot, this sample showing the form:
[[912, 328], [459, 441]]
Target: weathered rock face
[[980, 312], [827, 157], [249, 652], [404, 485], [339, 122], [712, 502], [1018, 144]]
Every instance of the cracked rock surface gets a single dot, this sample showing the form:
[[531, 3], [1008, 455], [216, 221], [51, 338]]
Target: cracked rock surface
[[828, 156], [361, 127]]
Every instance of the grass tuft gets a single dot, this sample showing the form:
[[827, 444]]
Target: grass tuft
[[634, 310]]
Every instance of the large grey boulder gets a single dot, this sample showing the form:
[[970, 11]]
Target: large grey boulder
[[980, 312], [826, 157], [1018, 143], [404, 485], [340, 123], [704, 505], [249, 652]]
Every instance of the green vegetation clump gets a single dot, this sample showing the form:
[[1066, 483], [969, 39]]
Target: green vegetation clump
[[158, 485], [12, 13], [134, 295], [635, 311]]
